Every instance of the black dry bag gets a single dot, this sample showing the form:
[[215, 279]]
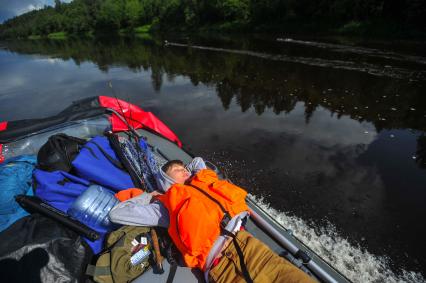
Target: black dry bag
[[58, 152], [38, 249]]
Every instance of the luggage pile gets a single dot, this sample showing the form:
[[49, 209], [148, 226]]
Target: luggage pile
[[60, 231]]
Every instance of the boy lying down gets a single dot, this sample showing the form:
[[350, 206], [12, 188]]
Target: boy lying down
[[204, 217]]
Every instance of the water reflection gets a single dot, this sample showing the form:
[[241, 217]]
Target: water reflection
[[254, 82], [421, 151], [316, 141]]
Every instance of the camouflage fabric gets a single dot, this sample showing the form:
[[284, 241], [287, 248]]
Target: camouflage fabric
[[113, 266]]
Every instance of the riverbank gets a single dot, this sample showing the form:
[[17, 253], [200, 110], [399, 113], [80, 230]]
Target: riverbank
[[370, 30], [367, 30], [141, 31]]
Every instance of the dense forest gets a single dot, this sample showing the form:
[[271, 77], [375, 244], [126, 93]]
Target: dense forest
[[362, 17]]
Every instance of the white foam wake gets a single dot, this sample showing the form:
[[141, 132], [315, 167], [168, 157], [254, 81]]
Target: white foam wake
[[354, 262], [358, 50]]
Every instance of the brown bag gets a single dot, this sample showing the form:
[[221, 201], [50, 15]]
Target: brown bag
[[113, 265]]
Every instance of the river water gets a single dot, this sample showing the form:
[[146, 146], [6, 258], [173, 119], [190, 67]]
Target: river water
[[329, 134]]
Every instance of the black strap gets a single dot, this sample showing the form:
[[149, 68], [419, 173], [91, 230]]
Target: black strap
[[91, 151], [210, 197], [243, 265], [108, 249], [172, 273], [107, 156]]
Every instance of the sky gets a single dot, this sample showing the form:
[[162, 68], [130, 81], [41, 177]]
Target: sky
[[11, 8]]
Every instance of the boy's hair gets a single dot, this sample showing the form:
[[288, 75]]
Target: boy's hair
[[170, 163]]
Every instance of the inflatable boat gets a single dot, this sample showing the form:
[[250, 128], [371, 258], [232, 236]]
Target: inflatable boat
[[94, 116]]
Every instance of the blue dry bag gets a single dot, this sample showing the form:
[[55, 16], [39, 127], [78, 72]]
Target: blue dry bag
[[58, 188], [98, 163], [61, 189], [15, 179]]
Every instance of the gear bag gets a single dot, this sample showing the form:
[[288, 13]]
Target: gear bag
[[38, 249], [138, 161], [118, 263], [15, 179], [60, 190], [98, 163], [58, 152]]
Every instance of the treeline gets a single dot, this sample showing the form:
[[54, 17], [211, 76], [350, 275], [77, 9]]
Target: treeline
[[356, 16]]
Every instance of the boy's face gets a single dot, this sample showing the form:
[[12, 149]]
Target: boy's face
[[178, 173]]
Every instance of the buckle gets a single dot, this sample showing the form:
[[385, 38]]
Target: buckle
[[225, 220]]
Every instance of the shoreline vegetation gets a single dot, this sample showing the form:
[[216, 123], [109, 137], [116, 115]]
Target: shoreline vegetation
[[400, 19]]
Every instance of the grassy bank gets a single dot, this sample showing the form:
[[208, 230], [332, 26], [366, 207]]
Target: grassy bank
[[142, 29], [57, 35]]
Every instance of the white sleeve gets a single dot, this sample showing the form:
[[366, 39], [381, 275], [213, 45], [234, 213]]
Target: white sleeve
[[138, 211]]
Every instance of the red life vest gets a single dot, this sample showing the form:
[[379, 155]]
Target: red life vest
[[195, 219]]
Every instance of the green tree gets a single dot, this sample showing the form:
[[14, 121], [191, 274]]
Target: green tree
[[77, 17], [58, 6], [132, 12], [236, 10], [80, 16], [110, 14]]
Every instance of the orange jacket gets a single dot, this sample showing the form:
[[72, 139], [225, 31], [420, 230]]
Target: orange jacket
[[195, 219]]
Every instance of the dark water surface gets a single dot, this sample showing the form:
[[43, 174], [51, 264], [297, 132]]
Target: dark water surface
[[330, 131]]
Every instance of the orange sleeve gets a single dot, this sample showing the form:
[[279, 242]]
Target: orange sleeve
[[128, 194]]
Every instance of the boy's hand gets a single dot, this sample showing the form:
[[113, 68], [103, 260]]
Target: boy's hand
[[155, 193]]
